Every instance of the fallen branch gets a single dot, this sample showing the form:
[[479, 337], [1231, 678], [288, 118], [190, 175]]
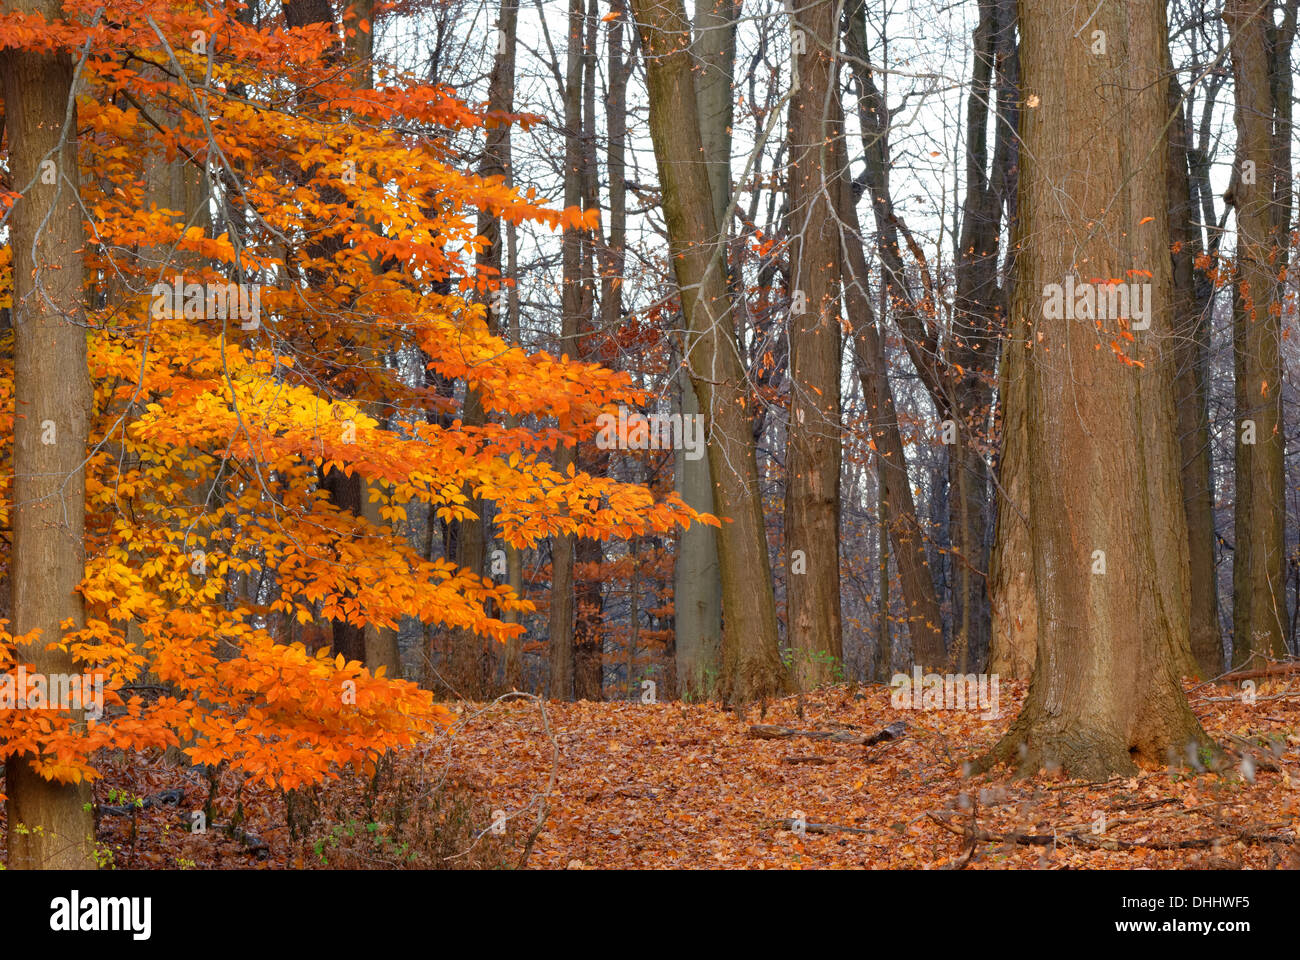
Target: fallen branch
[[1272, 670], [542, 806], [1096, 841], [251, 843], [168, 797], [1284, 695], [1260, 759], [768, 731], [789, 824]]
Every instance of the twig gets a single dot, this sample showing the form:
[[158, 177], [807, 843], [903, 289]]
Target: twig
[[550, 787], [789, 824], [1107, 843], [768, 731]]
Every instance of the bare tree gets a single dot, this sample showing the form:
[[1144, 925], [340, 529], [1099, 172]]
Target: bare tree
[[752, 666], [812, 487], [1261, 194]]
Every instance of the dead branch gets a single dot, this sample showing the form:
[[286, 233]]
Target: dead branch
[[789, 824], [814, 760], [768, 731], [1272, 670], [1096, 841]]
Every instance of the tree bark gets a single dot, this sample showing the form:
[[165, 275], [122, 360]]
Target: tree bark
[[346, 493], [1260, 617], [812, 489], [752, 666], [976, 332], [589, 598], [1013, 646], [1191, 326], [1102, 476], [514, 655], [562, 615], [49, 825], [697, 583]]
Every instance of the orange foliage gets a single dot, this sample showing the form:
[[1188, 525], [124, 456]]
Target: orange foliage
[[348, 213]]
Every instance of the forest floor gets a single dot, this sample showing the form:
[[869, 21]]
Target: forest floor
[[675, 785]]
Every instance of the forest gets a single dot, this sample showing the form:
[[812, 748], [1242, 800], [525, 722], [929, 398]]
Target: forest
[[608, 434]]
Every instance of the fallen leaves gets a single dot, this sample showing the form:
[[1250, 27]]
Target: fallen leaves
[[676, 785], [692, 785]]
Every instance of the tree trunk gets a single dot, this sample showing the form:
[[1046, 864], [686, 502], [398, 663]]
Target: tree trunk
[[589, 599], [812, 488], [346, 493], [752, 666], [697, 584], [1191, 326], [884, 660], [562, 618], [924, 624], [1102, 474], [498, 159], [514, 656], [976, 332], [1013, 646], [49, 825], [1260, 617], [925, 628], [358, 50]]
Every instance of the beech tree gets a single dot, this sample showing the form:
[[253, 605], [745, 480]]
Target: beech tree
[[697, 585], [1261, 196], [1102, 465], [812, 495], [751, 662], [48, 821], [123, 407]]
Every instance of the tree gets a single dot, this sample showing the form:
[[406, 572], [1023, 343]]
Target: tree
[[1261, 191], [923, 616], [897, 506], [751, 662], [574, 292], [978, 319], [812, 495], [49, 824], [588, 597], [697, 585], [1191, 324], [215, 379], [1106, 526]]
